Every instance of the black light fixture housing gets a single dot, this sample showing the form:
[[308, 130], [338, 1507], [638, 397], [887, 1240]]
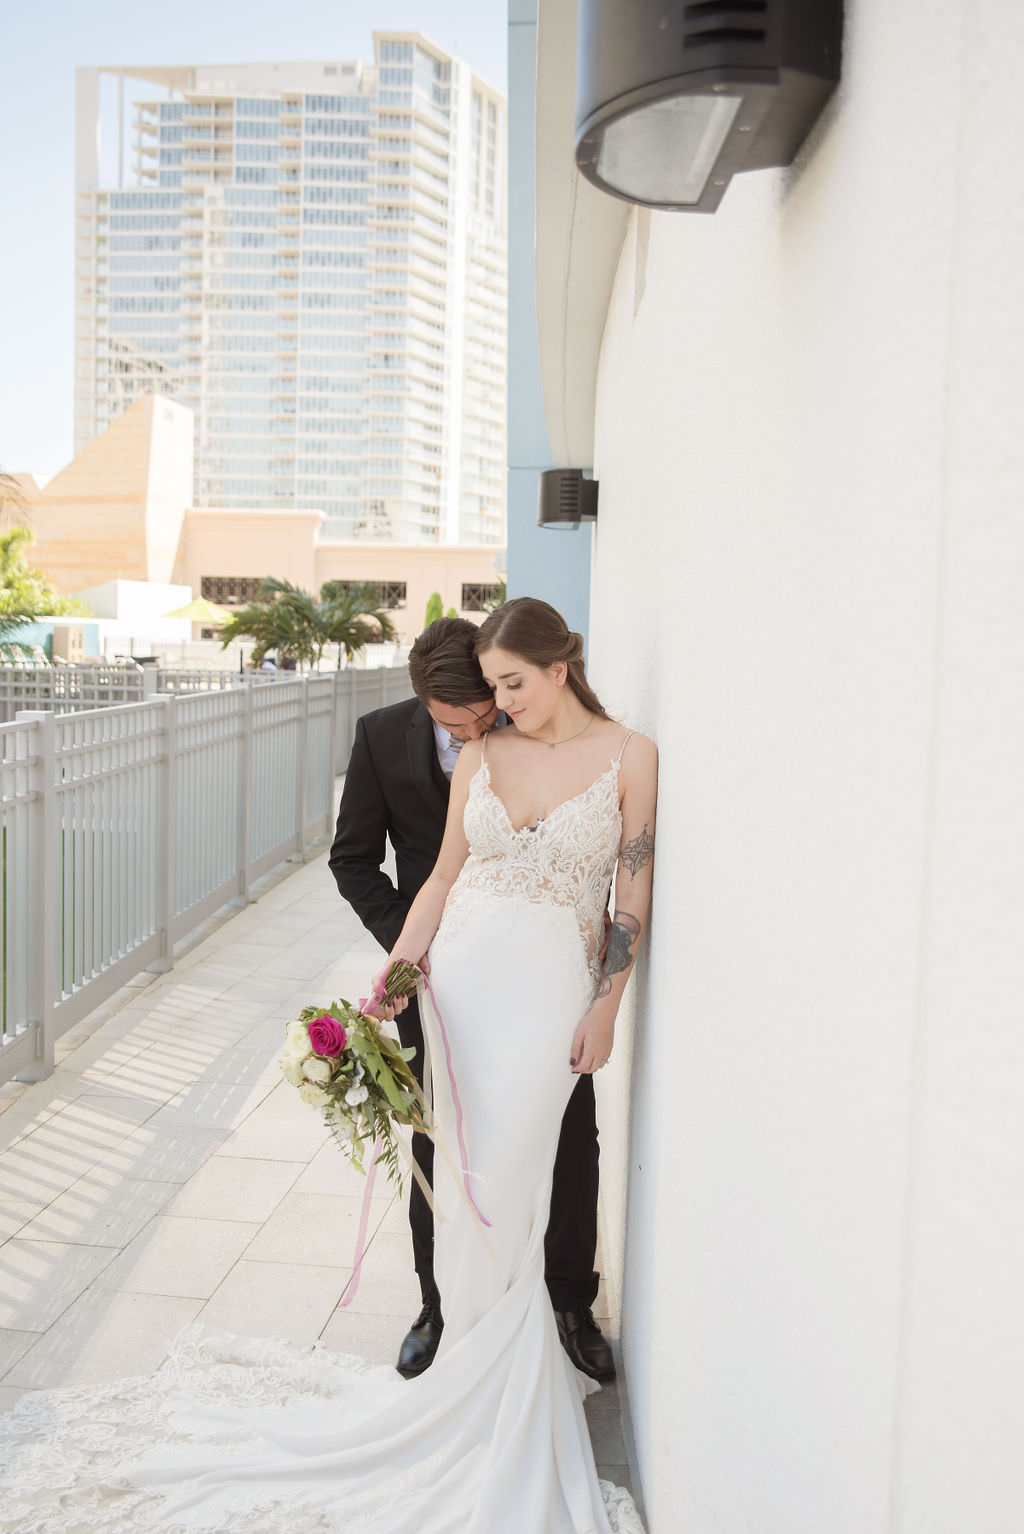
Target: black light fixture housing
[[565, 499], [673, 99]]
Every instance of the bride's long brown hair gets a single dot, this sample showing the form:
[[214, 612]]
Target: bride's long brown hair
[[531, 628]]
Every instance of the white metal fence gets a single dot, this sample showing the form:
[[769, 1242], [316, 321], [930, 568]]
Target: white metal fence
[[123, 828], [66, 687], [63, 688]]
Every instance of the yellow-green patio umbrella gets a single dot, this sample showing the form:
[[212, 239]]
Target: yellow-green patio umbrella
[[200, 610]]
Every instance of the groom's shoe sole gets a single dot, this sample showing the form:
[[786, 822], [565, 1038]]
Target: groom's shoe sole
[[419, 1347]]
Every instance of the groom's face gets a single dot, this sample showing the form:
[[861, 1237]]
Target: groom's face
[[466, 723]]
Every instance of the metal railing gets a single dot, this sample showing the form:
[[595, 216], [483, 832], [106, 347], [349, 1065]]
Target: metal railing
[[63, 688], [67, 687], [123, 828]]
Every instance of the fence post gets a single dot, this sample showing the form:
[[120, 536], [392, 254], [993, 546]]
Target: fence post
[[302, 796], [330, 766], [243, 855], [167, 872], [42, 925]]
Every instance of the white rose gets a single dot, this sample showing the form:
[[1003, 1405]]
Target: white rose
[[356, 1095], [291, 1070], [317, 1070], [315, 1096], [296, 1040]]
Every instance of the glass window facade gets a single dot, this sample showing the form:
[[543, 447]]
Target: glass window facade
[[285, 266]]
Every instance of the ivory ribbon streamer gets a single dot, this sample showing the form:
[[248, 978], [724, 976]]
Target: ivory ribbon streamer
[[364, 1220], [459, 1130]]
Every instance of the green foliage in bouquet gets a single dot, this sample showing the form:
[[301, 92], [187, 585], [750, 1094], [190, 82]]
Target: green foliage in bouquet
[[343, 1063]]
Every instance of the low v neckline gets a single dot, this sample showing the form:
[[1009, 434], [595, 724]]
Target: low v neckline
[[484, 767]]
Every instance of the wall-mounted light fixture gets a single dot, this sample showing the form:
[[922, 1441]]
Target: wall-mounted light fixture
[[673, 99], [565, 499]]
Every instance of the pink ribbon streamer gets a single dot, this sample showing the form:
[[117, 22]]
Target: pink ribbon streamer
[[364, 1220], [459, 1131]]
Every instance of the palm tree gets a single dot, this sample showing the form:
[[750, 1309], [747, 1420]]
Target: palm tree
[[354, 617], [25, 593], [298, 627]]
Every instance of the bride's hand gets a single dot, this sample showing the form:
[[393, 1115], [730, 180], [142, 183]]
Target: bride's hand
[[592, 1042], [374, 1008], [390, 1010]]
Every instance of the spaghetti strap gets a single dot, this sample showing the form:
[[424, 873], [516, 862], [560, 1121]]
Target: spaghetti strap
[[483, 750], [625, 743]]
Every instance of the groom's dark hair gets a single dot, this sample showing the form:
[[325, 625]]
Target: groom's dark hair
[[443, 664]]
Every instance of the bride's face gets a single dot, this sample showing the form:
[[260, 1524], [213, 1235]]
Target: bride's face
[[529, 694]]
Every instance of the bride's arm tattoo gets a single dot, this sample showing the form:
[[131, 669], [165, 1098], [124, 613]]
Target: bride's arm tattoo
[[625, 931], [637, 853]]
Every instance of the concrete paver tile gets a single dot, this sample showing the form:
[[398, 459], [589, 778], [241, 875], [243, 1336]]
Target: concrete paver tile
[[16, 1211], [276, 1299], [212, 1105], [312, 1228], [606, 1435], [163, 1154], [376, 1339], [181, 1256], [331, 1171], [40, 1279], [388, 1285], [105, 1334], [234, 1188], [282, 1128], [396, 1221], [39, 1168], [103, 1208], [116, 1106], [13, 1345]]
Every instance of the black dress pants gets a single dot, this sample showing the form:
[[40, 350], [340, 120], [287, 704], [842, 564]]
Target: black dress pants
[[570, 1245]]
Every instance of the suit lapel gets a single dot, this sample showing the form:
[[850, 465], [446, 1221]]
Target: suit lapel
[[419, 741]]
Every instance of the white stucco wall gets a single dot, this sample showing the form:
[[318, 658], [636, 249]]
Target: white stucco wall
[[808, 585]]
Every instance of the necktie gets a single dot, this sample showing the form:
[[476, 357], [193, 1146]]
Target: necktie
[[454, 743]]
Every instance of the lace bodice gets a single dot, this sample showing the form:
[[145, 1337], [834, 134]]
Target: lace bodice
[[567, 859]]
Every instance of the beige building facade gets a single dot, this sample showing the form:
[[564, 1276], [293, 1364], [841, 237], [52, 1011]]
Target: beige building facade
[[121, 510]]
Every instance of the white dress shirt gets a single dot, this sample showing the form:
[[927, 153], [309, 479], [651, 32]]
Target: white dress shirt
[[448, 747]]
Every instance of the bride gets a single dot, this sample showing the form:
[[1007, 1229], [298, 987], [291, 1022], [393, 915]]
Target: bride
[[257, 1437]]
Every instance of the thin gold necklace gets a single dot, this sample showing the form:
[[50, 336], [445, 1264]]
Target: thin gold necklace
[[551, 744]]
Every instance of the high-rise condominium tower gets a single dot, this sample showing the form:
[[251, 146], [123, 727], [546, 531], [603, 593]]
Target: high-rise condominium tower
[[312, 257]]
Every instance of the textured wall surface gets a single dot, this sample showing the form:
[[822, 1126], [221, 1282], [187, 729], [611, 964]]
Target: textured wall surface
[[809, 587]]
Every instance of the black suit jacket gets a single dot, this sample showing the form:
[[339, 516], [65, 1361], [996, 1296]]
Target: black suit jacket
[[394, 790]]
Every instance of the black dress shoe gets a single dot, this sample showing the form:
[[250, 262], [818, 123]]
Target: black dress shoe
[[582, 1339], [420, 1342]]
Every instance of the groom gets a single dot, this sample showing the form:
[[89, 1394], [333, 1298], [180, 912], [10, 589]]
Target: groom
[[396, 789]]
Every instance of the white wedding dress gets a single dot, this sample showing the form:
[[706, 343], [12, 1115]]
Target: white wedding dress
[[259, 1437]]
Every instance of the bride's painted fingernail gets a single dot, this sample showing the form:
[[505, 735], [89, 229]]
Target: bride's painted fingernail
[[572, 1059]]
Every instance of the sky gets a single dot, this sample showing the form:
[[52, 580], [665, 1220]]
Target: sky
[[43, 44]]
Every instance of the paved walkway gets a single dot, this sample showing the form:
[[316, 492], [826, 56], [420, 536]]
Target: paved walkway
[[166, 1173]]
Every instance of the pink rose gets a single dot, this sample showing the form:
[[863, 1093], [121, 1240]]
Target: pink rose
[[327, 1036]]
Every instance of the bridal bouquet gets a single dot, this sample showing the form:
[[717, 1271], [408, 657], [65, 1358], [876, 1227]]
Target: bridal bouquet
[[342, 1062]]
